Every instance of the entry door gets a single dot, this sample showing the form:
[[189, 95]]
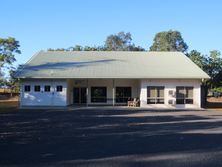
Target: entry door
[[79, 95]]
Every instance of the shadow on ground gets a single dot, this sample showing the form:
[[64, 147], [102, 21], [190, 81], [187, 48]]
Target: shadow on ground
[[214, 105], [109, 138]]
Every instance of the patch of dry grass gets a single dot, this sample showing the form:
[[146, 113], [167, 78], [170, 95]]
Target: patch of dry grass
[[7, 106]]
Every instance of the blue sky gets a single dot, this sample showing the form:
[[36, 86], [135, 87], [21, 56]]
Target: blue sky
[[42, 24]]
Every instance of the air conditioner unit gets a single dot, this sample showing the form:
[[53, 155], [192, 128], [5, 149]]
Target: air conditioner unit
[[171, 102], [171, 93]]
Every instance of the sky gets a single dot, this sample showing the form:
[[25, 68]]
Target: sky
[[42, 24]]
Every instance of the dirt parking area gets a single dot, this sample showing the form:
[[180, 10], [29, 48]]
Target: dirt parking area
[[104, 137]]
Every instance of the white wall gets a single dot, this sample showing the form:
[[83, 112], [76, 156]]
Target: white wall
[[43, 98], [170, 85], [69, 95]]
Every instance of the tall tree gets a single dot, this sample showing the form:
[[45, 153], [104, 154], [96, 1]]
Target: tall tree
[[214, 63], [211, 64], [115, 42], [169, 41], [198, 59], [13, 81], [121, 42], [8, 48]]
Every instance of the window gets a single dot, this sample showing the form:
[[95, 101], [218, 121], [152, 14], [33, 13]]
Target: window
[[37, 88], [47, 88], [98, 94], [59, 88], [184, 95], [123, 94], [155, 95], [27, 88]]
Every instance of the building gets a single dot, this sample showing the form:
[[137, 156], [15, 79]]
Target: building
[[158, 79]]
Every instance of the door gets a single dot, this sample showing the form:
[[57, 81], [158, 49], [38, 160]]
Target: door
[[79, 96], [83, 95]]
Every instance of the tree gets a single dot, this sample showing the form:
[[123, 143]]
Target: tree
[[135, 48], [75, 48], [198, 59], [8, 48], [117, 42], [214, 68], [121, 42], [217, 81], [95, 48], [211, 64], [169, 41], [202, 62], [214, 63], [13, 82], [85, 48]]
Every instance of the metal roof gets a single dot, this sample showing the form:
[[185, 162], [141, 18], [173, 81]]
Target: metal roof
[[111, 64]]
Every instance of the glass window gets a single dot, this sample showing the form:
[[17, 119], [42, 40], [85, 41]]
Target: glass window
[[155, 95], [47, 88], [59, 88], [189, 92], [27, 88], [98, 94], [37, 88], [123, 94], [184, 95]]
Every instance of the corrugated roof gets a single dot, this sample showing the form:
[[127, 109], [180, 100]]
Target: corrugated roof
[[111, 64]]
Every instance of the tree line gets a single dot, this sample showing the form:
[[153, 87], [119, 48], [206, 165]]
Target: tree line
[[163, 41], [116, 42]]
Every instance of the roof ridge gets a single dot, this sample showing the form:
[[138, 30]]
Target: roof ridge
[[111, 51]]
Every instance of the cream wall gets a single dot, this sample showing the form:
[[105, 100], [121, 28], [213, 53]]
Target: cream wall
[[108, 83], [170, 85], [139, 89]]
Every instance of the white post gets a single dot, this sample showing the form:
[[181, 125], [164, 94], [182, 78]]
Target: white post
[[113, 92], [87, 92]]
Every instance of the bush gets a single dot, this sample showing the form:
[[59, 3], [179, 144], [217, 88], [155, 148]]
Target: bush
[[217, 91]]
